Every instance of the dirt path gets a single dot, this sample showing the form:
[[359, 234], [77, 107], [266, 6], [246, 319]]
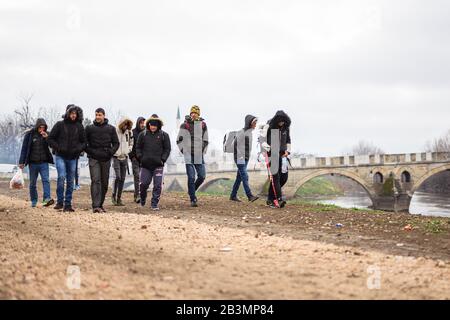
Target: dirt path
[[136, 255]]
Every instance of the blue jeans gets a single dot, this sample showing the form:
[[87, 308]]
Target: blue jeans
[[66, 175], [36, 170], [193, 184], [242, 176]]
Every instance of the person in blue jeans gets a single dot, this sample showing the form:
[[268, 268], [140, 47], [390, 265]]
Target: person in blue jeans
[[242, 151], [193, 142], [68, 141], [36, 154]]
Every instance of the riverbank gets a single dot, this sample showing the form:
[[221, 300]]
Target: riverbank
[[221, 250]]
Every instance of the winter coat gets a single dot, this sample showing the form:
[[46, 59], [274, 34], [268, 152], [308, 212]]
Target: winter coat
[[136, 132], [244, 141], [102, 141], [67, 138], [125, 139], [31, 137], [198, 141], [284, 136], [153, 149]]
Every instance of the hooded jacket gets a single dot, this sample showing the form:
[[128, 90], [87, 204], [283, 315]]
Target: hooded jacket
[[125, 139], [32, 137], [136, 132], [198, 141], [244, 141], [102, 141], [284, 136], [153, 148], [67, 138]]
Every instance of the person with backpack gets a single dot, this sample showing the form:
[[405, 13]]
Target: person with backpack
[[242, 148], [36, 155], [275, 141], [152, 149], [68, 141], [193, 142], [102, 144], [140, 127], [120, 159]]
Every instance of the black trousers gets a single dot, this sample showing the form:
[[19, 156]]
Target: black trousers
[[99, 171], [279, 180], [120, 172]]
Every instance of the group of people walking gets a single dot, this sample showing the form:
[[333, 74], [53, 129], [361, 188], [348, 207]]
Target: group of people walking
[[148, 148]]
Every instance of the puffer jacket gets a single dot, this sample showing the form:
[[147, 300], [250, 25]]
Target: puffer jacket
[[136, 132], [102, 141], [28, 140], [126, 140]]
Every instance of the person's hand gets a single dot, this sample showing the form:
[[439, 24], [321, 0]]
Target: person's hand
[[21, 166], [44, 134], [285, 155]]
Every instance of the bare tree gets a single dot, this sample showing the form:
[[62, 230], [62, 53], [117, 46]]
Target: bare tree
[[24, 112], [365, 148], [441, 144]]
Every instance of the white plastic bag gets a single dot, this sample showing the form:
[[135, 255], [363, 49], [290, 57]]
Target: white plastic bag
[[17, 182]]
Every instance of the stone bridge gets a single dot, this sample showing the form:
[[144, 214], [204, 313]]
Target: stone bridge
[[390, 180]]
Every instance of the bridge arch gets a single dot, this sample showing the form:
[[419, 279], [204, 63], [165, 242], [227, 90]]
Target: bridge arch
[[210, 182], [345, 173], [429, 174]]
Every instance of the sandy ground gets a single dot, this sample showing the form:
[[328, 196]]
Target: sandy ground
[[218, 251]]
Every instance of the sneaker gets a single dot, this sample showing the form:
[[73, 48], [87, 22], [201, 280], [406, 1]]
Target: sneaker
[[59, 206], [103, 209], [77, 187], [48, 202], [272, 205], [120, 203], [235, 199], [142, 204], [68, 209], [252, 198], [114, 201], [155, 208], [137, 200], [283, 204], [194, 204], [97, 210], [33, 204]]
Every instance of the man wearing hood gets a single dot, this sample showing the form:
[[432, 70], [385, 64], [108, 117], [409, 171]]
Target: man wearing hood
[[36, 154], [242, 151], [102, 144], [276, 141], [120, 159], [193, 142], [152, 149], [140, 127], [80, 120], [68, 140]]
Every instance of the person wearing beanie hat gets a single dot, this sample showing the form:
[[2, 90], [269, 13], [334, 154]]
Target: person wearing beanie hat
[[193, 141], [152, 150], [102, 144]]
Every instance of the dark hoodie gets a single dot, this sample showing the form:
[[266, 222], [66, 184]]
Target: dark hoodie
[[67, 138], [136, 132], [284, 134], [153, 148], [244, 137], [35, 147], [102, 141]]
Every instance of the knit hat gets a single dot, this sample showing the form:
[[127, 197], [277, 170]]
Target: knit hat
[[195, 109]]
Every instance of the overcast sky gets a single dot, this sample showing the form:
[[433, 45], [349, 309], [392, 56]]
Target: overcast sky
[[343, 70]]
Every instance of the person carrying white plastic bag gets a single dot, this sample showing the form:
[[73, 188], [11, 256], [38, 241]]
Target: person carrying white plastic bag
[[17, 182]]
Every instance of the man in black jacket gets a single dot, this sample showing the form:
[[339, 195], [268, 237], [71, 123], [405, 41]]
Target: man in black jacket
[[242, 151], [140, 127], [68, 140], [36, 154], [102, 144], [276, 141], [152, 149]]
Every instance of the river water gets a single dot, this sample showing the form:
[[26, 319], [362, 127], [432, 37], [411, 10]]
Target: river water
[[427, 204]]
